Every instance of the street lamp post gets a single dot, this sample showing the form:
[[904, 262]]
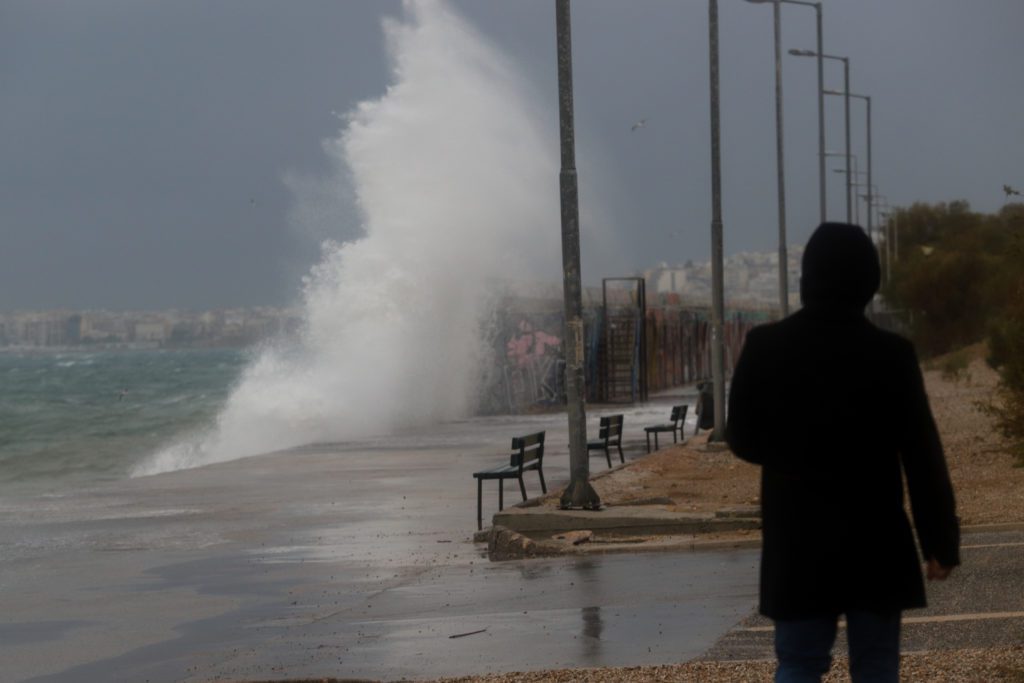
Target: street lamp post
[[717, 277], [780, 172], [882, 202], [867, 100], [892, 218], [579, 493], [856, 173], [821, 118], [884, 215], [846, 91], [821, 88], [870, 192], [849, 174]]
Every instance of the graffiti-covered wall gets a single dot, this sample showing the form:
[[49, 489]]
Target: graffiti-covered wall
[[528, 368]]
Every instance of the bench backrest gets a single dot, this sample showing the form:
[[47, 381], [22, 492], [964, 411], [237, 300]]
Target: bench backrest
[[527, 448], [610, 428], [678, 413]]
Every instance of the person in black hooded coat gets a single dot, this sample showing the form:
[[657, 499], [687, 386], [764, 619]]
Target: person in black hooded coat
[[835, 411]]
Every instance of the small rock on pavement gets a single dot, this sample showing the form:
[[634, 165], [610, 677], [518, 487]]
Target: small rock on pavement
[[505, 544], [576, 537]]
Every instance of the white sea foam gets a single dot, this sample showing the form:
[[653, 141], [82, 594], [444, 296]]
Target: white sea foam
[[455, 176]]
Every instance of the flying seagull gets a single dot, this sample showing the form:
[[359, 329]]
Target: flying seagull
[[1009, 190], [642, 123]]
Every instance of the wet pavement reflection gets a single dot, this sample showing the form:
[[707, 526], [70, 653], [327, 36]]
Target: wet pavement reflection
[[343, 560]]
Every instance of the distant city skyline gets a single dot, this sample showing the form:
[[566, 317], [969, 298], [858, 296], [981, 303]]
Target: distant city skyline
[[751, 282], [101, 329], [167, 154]]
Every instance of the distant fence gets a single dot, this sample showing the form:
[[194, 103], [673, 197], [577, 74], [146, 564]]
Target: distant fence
[[679, 344], [529, 367]]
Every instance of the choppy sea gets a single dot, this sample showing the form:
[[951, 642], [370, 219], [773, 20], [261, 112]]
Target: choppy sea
[[76, 417]]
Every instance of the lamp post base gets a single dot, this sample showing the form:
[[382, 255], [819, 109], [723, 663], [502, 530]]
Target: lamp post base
[[579, 495]]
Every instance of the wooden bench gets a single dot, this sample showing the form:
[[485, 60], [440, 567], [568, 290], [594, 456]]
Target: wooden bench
[[527, 454], [675, 425], [609, 434]]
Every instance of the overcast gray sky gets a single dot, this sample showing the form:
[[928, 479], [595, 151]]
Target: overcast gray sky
[[149, 149]]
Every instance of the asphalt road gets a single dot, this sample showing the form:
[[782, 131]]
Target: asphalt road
[[980, 605]]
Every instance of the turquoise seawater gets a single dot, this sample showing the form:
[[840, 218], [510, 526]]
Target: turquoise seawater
[[81, 416]]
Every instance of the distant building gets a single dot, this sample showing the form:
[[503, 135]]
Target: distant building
[[750, 278], [236, 327], [150, 332]]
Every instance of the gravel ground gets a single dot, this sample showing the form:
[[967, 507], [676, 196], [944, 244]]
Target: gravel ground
[[988, 487], [952, 666]]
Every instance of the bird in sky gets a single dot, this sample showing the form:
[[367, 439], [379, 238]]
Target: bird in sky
[[1009, 190], [642, 123]]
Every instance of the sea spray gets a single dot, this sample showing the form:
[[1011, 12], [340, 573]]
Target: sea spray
[[454, 172]]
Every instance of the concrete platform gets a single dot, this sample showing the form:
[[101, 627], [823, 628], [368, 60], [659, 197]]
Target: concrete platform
[[630, 520]]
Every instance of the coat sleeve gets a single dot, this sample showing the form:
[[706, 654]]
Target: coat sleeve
[[742, 429], [924, 463]]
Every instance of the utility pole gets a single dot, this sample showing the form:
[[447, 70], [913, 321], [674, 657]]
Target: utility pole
[[579, 493], [780, 171], [846, 108], [717, 277], [821, 118], [871, 189], [846, 116]]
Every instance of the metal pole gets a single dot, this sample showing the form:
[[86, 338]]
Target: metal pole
[[896, 236], [579, 492], [889, 252], [717, 279], [854, 184], [780, 166], [846, 105], [821, 119], [871, 233]]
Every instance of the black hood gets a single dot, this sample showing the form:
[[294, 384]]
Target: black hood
[[840, 269]]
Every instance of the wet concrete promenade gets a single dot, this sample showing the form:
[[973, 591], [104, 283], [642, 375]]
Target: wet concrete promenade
[[355, 560], [339, 560]]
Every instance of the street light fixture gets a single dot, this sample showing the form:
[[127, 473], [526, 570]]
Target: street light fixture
[[867, 100], [846, 91]]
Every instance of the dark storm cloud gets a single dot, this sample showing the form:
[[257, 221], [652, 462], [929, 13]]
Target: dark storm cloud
[[145, 146]]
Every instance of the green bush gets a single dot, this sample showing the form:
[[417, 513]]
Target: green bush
[[960, 277], [1006, 354]]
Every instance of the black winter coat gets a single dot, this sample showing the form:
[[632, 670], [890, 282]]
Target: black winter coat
[[831, 406]]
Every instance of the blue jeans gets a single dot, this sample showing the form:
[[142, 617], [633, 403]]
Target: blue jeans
[[804, 647]]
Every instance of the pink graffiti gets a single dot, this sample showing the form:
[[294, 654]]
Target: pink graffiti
[[530, 345]]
